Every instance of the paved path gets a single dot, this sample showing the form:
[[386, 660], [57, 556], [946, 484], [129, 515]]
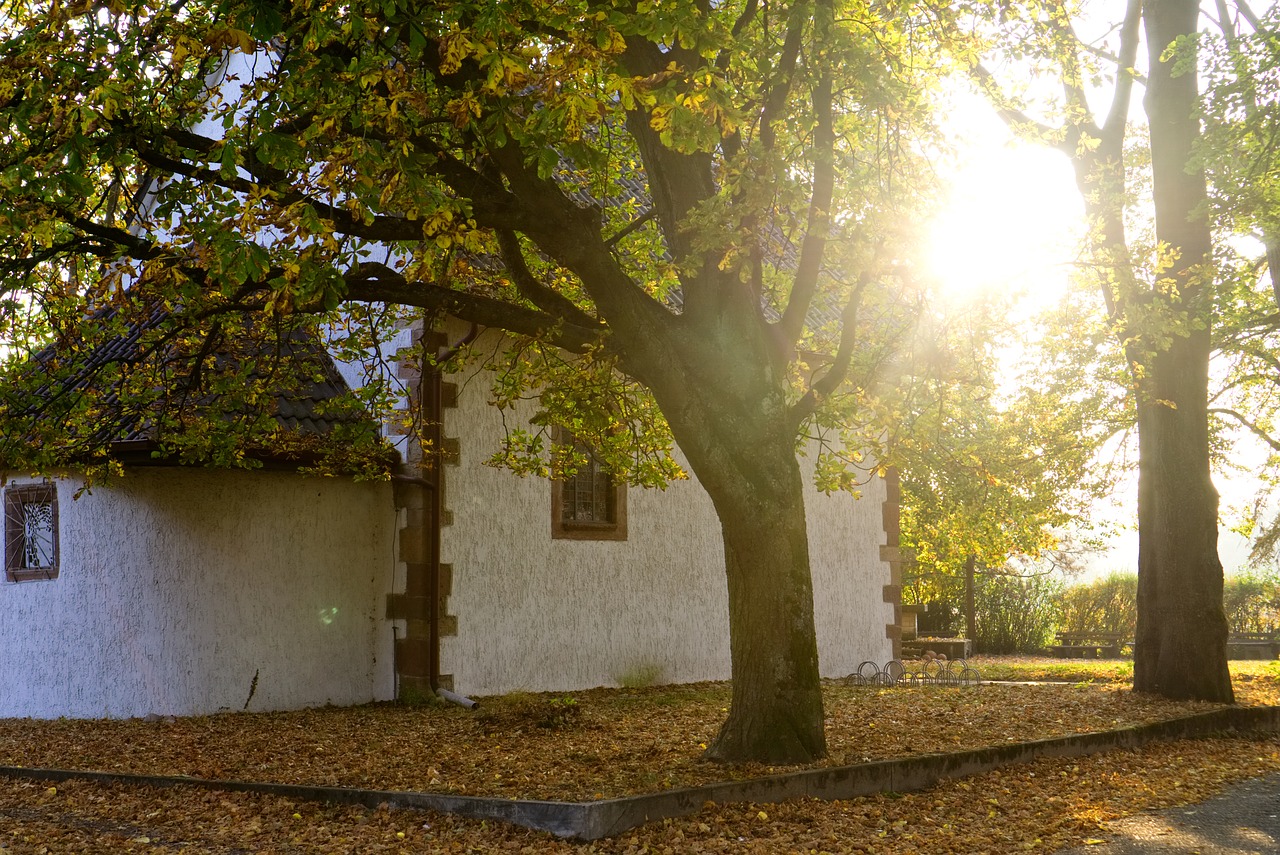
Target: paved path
[[1243, 820]]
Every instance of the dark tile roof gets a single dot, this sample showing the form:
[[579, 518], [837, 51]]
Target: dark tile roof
[[300, 379]]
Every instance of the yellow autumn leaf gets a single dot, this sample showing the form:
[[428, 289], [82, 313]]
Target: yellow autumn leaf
[[453, 49]]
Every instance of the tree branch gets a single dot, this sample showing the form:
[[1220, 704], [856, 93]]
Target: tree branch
[[1115, 60], [809, 268], [776, 98], [839, 368], [1016, 119], [1252, 426], [380, 228], [376, 283], [1248, 14], [677, 182], [547, 299], [1118, 115]]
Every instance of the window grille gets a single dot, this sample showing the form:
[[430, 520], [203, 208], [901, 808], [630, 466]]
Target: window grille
[[31, 532], [588, 496], [590, 504]]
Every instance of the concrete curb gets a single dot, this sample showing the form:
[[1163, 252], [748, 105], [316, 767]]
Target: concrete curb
[[609, 817]]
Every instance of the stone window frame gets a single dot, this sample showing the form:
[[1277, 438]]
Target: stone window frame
[[571, 529], [16, 498]]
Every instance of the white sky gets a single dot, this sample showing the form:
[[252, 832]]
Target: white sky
[[1013, 218], [1012, 225]]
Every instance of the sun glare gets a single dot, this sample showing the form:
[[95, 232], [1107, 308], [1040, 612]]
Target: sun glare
[[1010, 225]]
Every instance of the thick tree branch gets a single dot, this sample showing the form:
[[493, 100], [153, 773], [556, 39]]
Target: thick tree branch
[[839, 368], [1063, 37], [677, 182], [570, 235], [630, 228], [547, 299], [492, 205], [1248, 14], [376, 283], [780, 87], [809, 268], [381, 228], [138, 248], [725, 58], [1017, 120], [1100, 177], [1113, 126]]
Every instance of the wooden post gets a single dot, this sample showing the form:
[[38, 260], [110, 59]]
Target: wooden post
[[970, 614]]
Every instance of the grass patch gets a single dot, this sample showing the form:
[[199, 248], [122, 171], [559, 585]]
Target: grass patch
[[1119, 671], [1018, 669], [641, 676]]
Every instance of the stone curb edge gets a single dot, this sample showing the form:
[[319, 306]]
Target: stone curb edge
[[609, 817]]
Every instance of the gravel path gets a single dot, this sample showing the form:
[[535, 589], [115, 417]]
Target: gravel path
[[1243, 820]]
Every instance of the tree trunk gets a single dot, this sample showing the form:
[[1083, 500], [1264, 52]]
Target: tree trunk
[[1182, 630], [725, 391], [1181, 645], [776, 715]]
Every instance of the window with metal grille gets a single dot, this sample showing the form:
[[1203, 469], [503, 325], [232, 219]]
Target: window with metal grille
[[588, 496], [590, 504], [31, 532]]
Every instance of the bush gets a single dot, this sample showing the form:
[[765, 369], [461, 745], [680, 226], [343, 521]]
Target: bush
[[1107, 605], [1015, 614], [1252, 601]]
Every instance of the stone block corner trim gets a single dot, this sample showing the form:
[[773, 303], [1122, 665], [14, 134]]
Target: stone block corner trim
[[609, 817]]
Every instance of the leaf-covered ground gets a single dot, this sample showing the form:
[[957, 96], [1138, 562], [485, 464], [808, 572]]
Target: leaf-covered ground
[[603, 743]]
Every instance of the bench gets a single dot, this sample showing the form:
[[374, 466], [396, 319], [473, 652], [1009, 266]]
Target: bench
[[1088, 645], [952, 648], [1106, 645], [1253, 645]]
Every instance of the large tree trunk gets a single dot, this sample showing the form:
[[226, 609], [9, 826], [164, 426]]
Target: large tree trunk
[[731, 415], [776, 714], [1181, 649], [1182, 629]]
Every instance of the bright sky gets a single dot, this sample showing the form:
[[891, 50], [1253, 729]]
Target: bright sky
[[1012, 225], [1012, 222]]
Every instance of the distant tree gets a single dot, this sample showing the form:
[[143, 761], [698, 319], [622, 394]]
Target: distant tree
[[1158, 288], [1241, 116], [995, 473]]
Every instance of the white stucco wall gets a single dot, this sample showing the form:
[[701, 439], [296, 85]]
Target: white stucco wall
[[845, 536], [538, 613], [176, 586]]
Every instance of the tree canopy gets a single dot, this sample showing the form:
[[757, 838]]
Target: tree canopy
[[554, 172]]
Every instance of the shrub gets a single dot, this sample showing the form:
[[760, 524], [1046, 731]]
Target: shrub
[[1015, 614], [1107, 605], [1252, 601]]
